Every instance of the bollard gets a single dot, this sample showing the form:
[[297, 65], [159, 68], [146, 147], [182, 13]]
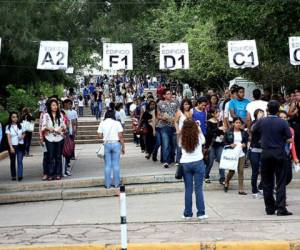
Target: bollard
[[123, 218]]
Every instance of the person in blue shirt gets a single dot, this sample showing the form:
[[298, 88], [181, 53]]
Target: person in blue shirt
[[199, 113], [237, 106], [92, 88]]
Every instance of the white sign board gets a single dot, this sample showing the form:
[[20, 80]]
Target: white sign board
[[242, 54], [70, 70], [294, 44], [174, 56], [117, 56], [53, 55]]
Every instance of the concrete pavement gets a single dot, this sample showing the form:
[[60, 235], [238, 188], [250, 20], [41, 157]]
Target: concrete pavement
[[151, 218]]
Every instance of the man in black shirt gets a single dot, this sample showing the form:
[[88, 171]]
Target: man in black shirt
[[275, 133]]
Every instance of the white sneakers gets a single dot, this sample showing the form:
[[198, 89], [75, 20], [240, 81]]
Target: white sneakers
[[257, 196], [201, 217]]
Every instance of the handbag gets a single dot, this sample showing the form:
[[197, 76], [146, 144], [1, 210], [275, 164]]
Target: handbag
[[230, 158], [69, 146], [296, 167], [101, 152], [179, 172]]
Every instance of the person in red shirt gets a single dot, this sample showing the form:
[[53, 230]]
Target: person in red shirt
[[160, 91]]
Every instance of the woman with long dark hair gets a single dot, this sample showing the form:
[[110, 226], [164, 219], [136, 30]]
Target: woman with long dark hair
[[148, 122], [15, 136], [185, 112], [237, 137], [193, 167], [27, 118], [54, 127]]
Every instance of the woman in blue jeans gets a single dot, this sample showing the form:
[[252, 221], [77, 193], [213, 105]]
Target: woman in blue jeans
[[112, 133], [193, 168]]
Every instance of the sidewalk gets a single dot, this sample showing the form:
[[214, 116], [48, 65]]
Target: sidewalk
[[88, 166], [151, 218]]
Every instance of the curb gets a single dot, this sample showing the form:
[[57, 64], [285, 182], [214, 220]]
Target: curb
[[239, 245], [3, 155]]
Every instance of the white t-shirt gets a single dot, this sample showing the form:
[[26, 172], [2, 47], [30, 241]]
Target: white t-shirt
[[110, 129], [197, 155], [81, 103], [15, 134], [122, 116], [259, 104], [132, 107], [227, 112], [107, 102], [238, 141], [129, 98]]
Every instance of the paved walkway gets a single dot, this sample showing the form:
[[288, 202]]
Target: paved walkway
[[88, 165], [151, 218]]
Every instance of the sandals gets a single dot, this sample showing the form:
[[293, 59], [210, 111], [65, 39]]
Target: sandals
[[242, 193]]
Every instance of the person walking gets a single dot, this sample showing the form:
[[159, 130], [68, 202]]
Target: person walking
[[255, 156], [15, 136], [54, 127], [214, 144], [193, 168], [28, 120], [200, 114], [238, 105], [254, 105], [237, 137], [112, 133], [80, 106], [275, 133], [166, 111]]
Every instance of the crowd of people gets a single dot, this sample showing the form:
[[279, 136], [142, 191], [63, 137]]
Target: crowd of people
[[265, 129], [177, 124]]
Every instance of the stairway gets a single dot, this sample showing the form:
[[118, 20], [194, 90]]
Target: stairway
[[87, 132]]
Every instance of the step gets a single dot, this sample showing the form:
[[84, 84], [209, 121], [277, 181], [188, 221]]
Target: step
[[83, 183], [100, 192], [92, 136], [92, 141]]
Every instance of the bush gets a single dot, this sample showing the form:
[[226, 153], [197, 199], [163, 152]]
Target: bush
[[3, 117]]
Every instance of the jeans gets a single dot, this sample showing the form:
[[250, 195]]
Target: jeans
[[18, 155], [193, 173], [112, 153], [98, 111], [157, 143], [178, 153], [54, 150], [27, 141], [214, 154], [168, 136], [255, 160], [46, 164], [80, 111]]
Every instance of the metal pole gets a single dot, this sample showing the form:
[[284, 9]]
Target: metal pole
[[123, 218]]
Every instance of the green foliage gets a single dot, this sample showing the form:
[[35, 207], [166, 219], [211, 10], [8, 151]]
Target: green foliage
[[205, 25], [3, 117], [19, 98]]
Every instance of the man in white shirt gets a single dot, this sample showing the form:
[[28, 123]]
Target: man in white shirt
[[254, 105]]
